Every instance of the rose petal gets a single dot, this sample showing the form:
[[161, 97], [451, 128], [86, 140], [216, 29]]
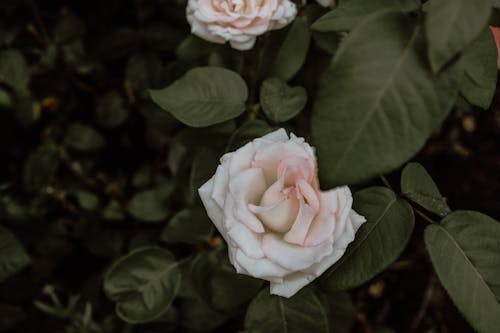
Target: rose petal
[[247, 187], [293, 257], [214, 211], [291, 284], [261, 268], [248, 241], [297, 234]]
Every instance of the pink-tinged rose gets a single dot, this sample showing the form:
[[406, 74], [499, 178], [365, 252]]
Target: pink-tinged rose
[[496, 34], [326, 3], [266, 202], [238, 21]]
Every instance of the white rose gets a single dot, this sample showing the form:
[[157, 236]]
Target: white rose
[[238, 21], [265, 201]]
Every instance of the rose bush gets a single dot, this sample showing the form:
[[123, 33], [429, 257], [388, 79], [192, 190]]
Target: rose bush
[[238, 21], [266, 202]]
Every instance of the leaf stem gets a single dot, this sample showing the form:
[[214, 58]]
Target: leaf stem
[[386, 182], [425, 217]]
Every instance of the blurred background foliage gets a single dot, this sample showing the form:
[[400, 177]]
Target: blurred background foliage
[[92, 169]]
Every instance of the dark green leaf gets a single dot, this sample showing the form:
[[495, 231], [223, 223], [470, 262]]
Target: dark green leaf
[[113, 211], [378, 242], [111, 111], [247, 132], [451, 25], [418, 186], [378, 102], [341, 311], [150, 205], [87, 200], [199, 317], [204, 96], [13, 256], [350, 13], [41, 167], [204, 164], [215, 280], [292, 53], [14, 70], [281, 102], [83, 138], [303, 312], [465, 251], [188, 226], [143, 283], [480, 62]]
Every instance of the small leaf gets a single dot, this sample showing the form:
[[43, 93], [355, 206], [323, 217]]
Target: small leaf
[[190, 226], [418, 186], [451, 25], [13, 256], [204, 96], [281, 102], [480, 62], [83, 138], [41, 167], [303, 312], [292, 53], [87, 200], [350, 13], [111, 111], [14, 70], [113, 211], [465, 251], [143, 283], [149, 205], [379, 241]]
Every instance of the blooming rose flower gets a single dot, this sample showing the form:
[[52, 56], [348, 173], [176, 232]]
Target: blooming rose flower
[[238, 21], [266, 202], [326, 3]]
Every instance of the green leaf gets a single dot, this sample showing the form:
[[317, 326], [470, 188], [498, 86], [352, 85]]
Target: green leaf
[[378, 101], [87, 200], [111, 111], [83, 138], [480, 62], [41, 167], [247, 132], [199, 317], [451, 25], [281, 102], [205, 163], [13, 256], [465, 251], [14, 70], [350, 13], [379, 241], [341, 311], [144, 71], [292, 53], [150, 205], [190, 226], [215, 280], [204, 96], [303, 312], [143, 283], [418, 186], [113, 211]]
